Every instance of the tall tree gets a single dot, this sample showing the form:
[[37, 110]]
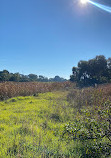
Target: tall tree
[[96, 70], [32, 77], [4, 75], [15, 77]]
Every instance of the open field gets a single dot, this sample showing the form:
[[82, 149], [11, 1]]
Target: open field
[[59, 124]]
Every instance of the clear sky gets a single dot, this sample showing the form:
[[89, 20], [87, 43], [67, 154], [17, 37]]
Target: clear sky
[[49, 37]]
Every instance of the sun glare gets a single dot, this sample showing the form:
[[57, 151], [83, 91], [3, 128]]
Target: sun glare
[[84, 1]]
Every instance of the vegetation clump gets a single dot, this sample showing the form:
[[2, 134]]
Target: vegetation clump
[[13, 89], [91, 72]]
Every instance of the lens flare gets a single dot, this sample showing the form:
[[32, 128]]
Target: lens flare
[[101, 6]]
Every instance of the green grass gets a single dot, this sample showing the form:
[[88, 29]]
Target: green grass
[[31, 126], [34, 126]]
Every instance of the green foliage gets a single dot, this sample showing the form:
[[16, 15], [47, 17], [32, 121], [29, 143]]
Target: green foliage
[[74, 124], [91, 72], [32, 77], [93, 126], [16, 77], [4, 75]]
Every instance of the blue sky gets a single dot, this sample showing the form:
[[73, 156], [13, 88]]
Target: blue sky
[[49, 37]]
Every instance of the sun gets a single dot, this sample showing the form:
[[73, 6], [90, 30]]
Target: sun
[[84, 1]]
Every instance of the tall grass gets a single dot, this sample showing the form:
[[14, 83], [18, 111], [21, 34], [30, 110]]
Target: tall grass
[[13, 89], [92, 123], [60, 124]]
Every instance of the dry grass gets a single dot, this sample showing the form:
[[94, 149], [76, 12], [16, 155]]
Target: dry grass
[[13, 89]]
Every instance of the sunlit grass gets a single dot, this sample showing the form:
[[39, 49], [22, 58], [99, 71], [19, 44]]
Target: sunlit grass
[[34, 122], [43, 125]]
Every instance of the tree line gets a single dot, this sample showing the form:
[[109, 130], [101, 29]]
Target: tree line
[[5, 75], [91, 72]]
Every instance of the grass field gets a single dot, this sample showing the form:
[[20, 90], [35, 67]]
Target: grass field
[[59, 124]]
